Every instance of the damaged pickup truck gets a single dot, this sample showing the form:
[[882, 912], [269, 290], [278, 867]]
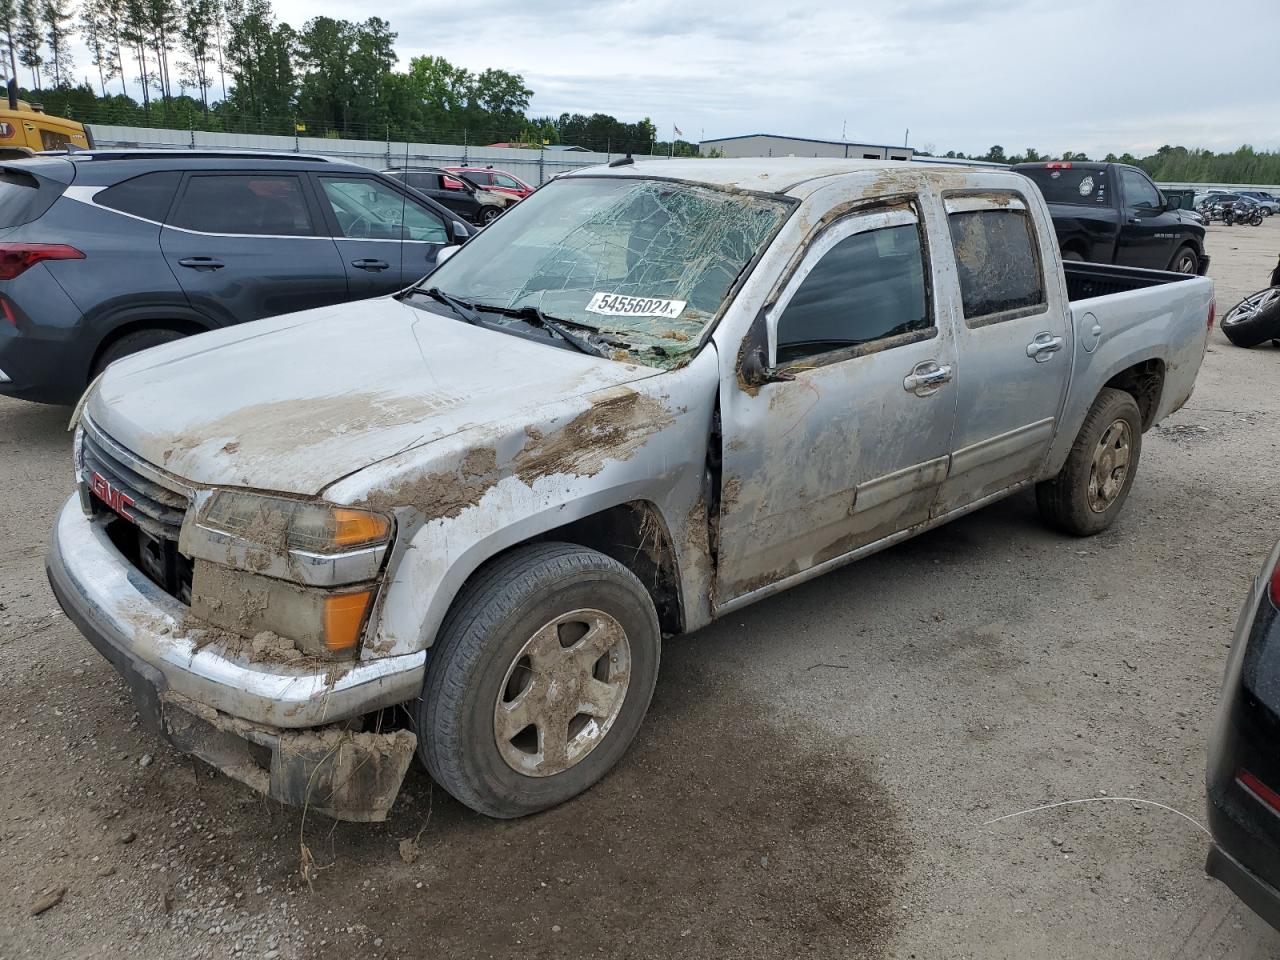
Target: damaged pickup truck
[[461, 520]]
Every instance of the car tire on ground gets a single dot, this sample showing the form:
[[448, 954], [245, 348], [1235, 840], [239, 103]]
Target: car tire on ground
[[539, 679], [1185, 260], [489, 214], [131, 343], [1255, 319], [1087, 494]]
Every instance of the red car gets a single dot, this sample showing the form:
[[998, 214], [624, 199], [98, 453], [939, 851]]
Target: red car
[[498, 180]]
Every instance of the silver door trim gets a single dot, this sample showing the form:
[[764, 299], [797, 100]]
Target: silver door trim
[[737, 603], [1002, 445], [900, 483]]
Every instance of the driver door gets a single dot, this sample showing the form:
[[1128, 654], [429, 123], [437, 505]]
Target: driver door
[[1148, 230], [386, 238], [850, 442]]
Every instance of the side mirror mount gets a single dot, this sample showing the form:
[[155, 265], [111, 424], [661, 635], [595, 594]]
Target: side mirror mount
[[1170, 203], [445, 254], [459, 232], [753, 364]]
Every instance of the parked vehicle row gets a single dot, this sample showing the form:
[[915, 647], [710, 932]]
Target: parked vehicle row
[[104, 253], [475, 195], [1113, 213], [276, 524], [1266, 203]]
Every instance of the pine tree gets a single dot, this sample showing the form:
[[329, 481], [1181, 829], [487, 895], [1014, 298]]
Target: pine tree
[[56, 18], [28, 38]]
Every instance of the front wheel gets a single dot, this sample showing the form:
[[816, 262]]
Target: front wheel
[[1087, 494], [539, 680], [489, 214], [1185, 261]]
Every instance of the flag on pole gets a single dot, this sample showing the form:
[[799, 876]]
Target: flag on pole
[[679, 132]]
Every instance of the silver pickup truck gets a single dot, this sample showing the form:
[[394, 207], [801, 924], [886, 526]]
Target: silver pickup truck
[[460, 520]]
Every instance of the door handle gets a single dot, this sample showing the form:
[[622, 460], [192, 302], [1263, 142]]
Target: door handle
[[201, 263], [926, 377], [368, 263], [1043, 347]]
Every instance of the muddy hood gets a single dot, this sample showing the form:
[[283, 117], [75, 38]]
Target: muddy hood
[[294, 403]]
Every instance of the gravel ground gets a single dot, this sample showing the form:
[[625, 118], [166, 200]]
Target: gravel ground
[[813, 779]]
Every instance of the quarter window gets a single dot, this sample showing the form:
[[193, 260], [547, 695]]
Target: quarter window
[[259, 204], [867, 287], [147, 196], [996, 259]]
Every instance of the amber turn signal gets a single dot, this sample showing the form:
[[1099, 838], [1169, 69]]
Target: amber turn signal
[[343, 617], [351, 527]]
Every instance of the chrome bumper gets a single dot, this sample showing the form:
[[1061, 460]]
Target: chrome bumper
[[139, 629]]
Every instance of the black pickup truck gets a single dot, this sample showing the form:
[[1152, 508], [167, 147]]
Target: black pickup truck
[[1113, 213]]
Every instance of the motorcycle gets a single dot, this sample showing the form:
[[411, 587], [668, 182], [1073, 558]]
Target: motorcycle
[[1243, 211]]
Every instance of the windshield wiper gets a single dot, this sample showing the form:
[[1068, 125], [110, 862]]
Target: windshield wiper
[[534, 314], [462, 309]]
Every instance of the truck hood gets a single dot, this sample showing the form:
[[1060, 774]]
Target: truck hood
[[294, 403]]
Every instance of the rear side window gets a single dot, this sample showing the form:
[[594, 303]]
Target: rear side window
[[24, 197], [1067, 184], [147, 196], [260, 204], [997, 259]]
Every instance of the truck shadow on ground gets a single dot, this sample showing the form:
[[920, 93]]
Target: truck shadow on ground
[[724, 832]]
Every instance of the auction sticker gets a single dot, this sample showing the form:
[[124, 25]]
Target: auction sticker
[[620, 305]]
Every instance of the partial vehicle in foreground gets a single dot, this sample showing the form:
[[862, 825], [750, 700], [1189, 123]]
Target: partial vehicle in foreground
[[26, 130], [639, 401], [105, 253], [1113, 213], [1244, 754], [477, 205], [497, 180]]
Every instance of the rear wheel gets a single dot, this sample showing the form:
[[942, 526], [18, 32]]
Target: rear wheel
[[489, 214], [1254, 319], [1185, 261], [132, 343], [1087, 494], [539, 680]]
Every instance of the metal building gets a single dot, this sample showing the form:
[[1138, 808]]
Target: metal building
[[774, 145]]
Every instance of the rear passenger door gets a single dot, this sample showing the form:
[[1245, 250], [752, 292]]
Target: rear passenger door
[[249, 245], [447, 191], [387, 238], [1014, 346]]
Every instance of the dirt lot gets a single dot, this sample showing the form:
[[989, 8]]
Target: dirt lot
[[812, 780]]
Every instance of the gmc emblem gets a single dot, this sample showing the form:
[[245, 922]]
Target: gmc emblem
[[117, 500]]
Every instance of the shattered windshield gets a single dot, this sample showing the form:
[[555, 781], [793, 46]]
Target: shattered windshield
[[647, 263]]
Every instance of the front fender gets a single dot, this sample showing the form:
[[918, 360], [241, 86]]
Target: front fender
[[463, 500]]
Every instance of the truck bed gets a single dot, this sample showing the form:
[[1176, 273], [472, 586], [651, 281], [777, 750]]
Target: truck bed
[[1088, 280]]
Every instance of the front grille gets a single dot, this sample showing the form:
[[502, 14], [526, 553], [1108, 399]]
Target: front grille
[[143, 508], [155, 507]]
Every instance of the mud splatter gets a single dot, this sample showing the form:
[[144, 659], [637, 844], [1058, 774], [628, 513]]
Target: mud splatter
[[445, 494]]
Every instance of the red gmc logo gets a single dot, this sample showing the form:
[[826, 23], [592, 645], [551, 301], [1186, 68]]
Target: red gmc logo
[[117, 500]]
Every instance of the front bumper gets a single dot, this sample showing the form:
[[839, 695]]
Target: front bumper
[[254, 722], [1258, 895], [1203, 271]]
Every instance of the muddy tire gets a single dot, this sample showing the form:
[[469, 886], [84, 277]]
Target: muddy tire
[[132, 343], [1255, 319], [539, 679], [1087, 494], [1185, 260]]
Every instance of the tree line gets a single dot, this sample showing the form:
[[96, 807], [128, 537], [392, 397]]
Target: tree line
[[1168, 164], [233, 66]]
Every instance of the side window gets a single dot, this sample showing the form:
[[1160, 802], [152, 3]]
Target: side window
[[505, 181], [863, 288], [1138, 190], [368, 210], [997, 259], [147, 196], [261, 204], [422, 181]]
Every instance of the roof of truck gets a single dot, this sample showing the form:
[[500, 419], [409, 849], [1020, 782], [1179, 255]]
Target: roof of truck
[[764, 174]]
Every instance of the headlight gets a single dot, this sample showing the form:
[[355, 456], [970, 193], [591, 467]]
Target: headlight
[[276, 522]]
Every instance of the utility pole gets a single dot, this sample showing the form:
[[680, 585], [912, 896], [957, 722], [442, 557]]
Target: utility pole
[[906, 137]]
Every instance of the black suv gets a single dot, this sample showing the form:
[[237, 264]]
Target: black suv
[[104, 253]]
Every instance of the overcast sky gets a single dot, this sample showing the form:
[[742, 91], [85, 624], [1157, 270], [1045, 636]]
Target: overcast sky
[[1091, 75]]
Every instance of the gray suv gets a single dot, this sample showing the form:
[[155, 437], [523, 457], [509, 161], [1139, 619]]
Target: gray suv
[[105, 253]]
